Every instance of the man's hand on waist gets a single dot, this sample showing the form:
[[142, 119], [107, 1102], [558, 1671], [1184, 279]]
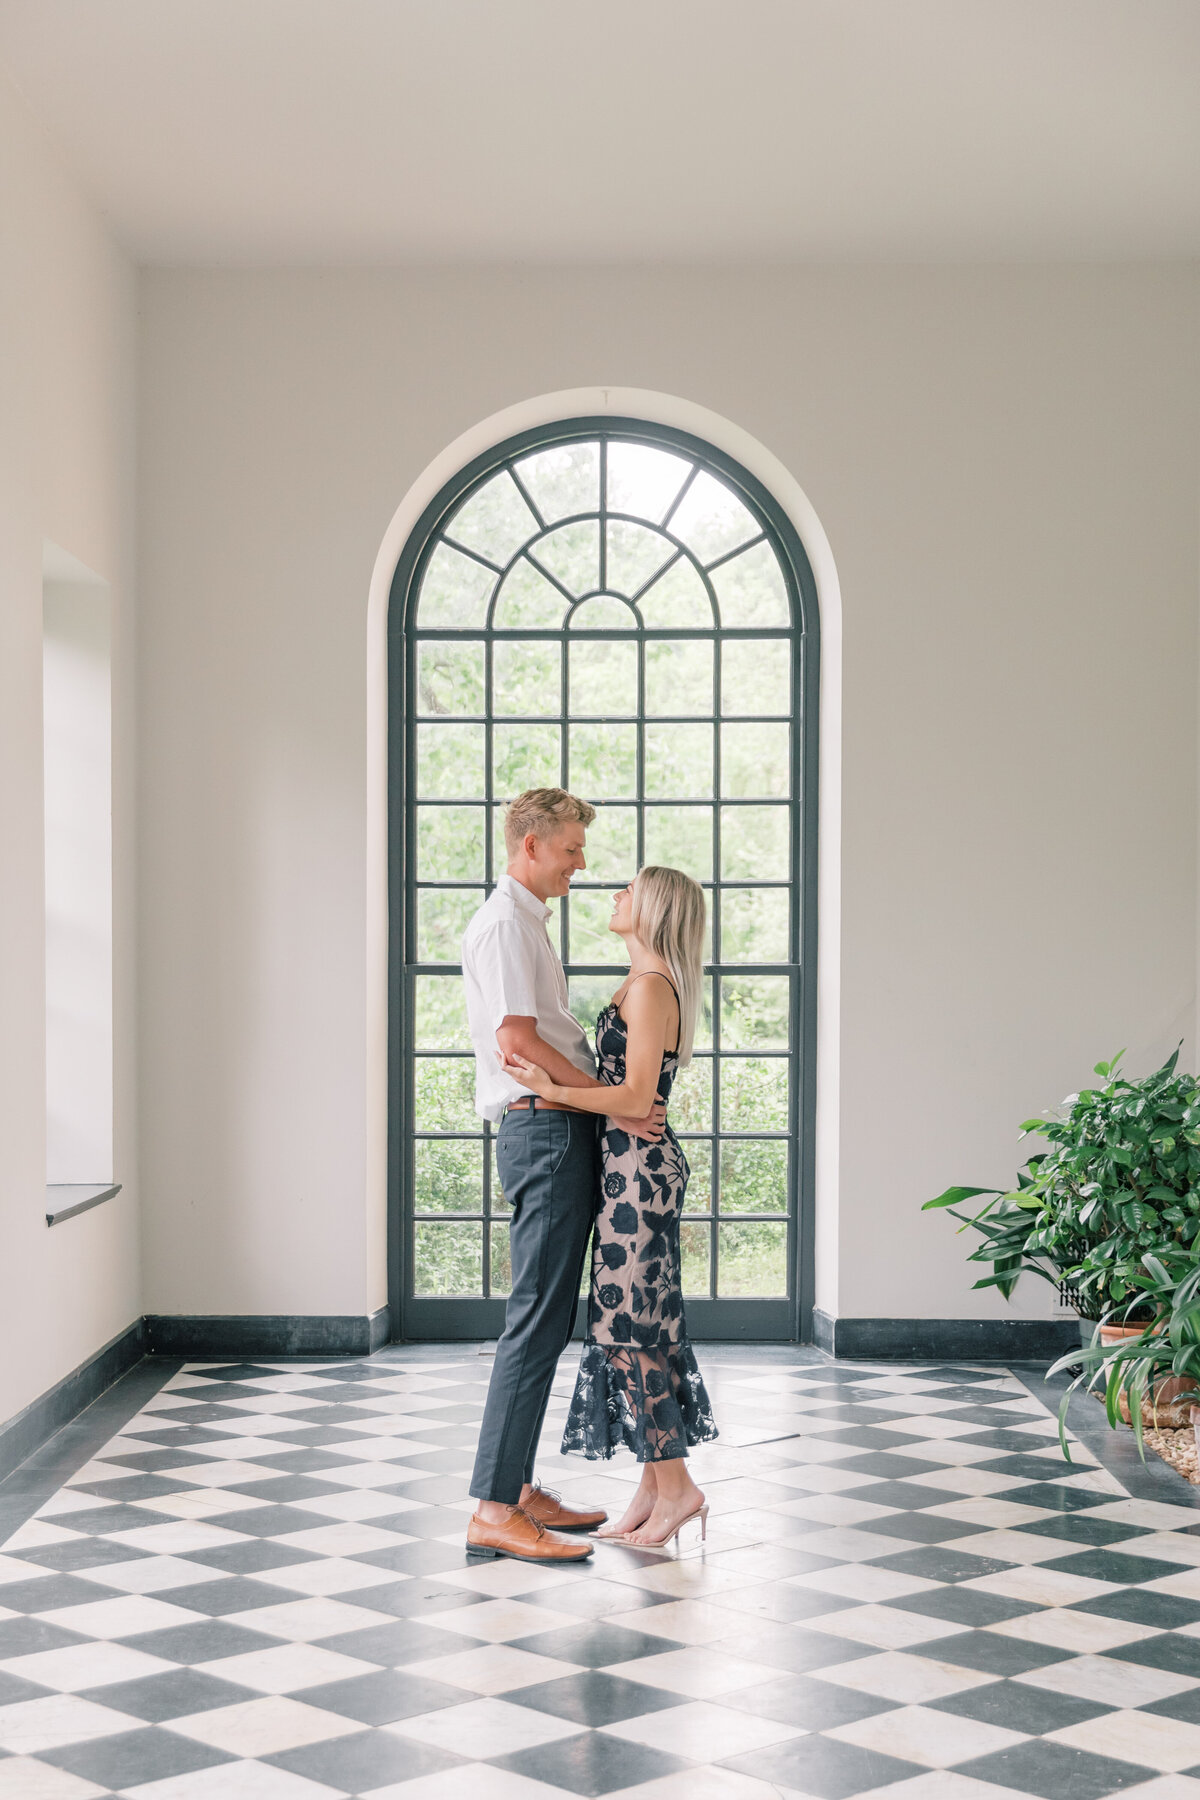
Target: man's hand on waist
[[650, 1128]]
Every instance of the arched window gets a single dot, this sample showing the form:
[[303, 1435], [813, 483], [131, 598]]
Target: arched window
[[618, 609]]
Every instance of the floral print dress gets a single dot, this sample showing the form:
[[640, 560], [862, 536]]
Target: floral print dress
[[638, 1384]]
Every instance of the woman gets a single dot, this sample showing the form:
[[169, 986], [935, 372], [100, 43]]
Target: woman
[[638, 1381]]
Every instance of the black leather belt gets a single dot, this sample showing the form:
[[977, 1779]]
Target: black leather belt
[[535, 1103]]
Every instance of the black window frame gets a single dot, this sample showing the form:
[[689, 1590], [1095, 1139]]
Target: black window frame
[[731, 1319]]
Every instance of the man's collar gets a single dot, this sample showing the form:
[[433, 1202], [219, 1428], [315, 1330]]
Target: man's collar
[[516, 890]]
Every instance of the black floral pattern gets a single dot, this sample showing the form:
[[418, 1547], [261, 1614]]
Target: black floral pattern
[[638, 1382]]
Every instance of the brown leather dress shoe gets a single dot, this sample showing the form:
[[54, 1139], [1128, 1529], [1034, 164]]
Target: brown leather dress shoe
[[522, 1538], [550, 1510]]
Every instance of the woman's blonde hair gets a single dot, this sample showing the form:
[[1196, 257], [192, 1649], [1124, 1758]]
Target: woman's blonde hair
[[669, 916]]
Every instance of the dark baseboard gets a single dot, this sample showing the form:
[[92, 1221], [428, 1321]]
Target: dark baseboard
[[932, 1340], [201, 1337], [31, 1427]]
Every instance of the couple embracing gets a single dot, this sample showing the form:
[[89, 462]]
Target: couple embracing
[[577, 1148]]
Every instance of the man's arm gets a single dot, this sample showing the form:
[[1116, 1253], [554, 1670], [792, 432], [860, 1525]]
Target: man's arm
[[517, 1032]]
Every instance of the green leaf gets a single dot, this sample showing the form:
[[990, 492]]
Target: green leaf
[[954, 1196]]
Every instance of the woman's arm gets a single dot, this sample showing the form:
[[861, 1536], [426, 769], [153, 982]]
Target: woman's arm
[[649, 1010], [517, 1037]]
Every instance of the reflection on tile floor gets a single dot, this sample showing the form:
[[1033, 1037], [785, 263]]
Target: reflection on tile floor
[[257, 1591]]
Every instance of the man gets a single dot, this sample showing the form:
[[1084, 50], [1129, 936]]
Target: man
[[546, 1155]]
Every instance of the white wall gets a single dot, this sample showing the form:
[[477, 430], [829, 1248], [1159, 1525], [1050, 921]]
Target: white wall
[[67, 316], [1006, 465]]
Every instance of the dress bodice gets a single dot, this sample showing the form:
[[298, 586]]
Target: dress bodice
[[612, 1038]]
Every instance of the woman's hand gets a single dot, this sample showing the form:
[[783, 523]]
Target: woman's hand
[[528, 1074]]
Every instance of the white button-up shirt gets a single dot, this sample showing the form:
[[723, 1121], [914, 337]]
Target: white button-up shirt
[[511, 970]]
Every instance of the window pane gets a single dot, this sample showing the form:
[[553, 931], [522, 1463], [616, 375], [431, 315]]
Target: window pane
[[690, 1107], [591, 940], [448, 1258], [754, 925], [751, 589], [754, 1012], [442, 915], [753, 1261], [444, 1094], [755, 843], [440, 1013], [694, 1258], [500, 1260], [449, 843], [525, 756], [450, 761], [571, 553], [603, 761], [679, 762], [754, 1093], [603, 680], [678, 601], [612, 845], [635, 553], [679, 677], [756, 761], [754, 1177], [527, 601], [449, 678], [643, 480], [527, 678], [494, 521], [603, 613], [711, 519], [454, 591], [563, 480], [756, 676], [680, 837], [448, 1175], [499, 847], [704, 1023], [698, 1193], [590, 994]]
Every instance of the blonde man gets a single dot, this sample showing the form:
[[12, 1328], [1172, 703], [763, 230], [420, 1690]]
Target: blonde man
[[546, 1156]]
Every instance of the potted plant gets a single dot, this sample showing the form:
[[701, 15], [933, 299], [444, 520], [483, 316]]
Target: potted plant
[[1148, 1374], [1120, 1181]]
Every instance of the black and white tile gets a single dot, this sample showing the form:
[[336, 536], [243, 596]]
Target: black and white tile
[[257, 1590]]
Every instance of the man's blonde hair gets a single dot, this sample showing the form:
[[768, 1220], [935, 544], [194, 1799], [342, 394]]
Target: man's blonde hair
[[544, 811]]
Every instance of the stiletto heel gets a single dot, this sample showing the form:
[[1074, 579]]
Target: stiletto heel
[[700, 1512]]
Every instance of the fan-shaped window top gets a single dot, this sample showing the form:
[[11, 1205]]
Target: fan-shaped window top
[[549, 536]]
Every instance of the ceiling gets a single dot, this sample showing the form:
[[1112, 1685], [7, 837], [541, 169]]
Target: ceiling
[[387, 131]]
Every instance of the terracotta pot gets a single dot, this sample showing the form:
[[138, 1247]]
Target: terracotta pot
[[1117, 1334], [1169, 1404]]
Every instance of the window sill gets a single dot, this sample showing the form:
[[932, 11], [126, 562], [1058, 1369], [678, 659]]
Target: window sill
[[64, 1201]]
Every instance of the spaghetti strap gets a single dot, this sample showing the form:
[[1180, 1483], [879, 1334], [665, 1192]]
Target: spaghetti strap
[[674, 990], [657, 972]]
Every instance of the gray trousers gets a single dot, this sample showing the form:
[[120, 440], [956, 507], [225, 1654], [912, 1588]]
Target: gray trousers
[[549, 1170]]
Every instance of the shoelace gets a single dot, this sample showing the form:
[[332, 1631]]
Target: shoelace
[[536, 1523]]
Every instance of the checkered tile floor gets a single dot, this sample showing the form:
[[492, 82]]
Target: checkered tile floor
[[257, 1591]]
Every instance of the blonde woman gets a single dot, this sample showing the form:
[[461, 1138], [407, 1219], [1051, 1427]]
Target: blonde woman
[[638, 1381]]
